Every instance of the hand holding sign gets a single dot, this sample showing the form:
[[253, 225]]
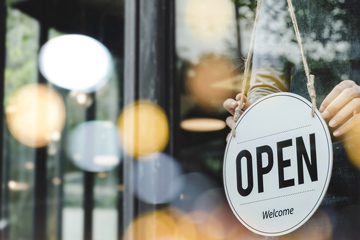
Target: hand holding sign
[[230, 105], [341, 107]]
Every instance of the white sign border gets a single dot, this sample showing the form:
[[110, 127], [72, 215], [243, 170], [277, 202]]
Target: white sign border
[[328, 175]]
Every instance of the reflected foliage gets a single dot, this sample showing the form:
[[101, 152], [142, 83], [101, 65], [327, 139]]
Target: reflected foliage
[[22, 47]]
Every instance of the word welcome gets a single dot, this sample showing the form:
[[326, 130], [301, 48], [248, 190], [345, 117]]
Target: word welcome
[[301, 155], [277, 213]]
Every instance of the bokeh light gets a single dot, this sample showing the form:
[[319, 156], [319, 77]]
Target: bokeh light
[[76, 62], [173, 224], [94, 146], [186, 226], [214, 218], [211, 82], [82, 99], [166, 224], [17, 186], [151, 226], [29, 165], [157, 178], [202, 124], [35, 115], [195, 185], [144, 128], [56, 181], [206, 202], [222, 223], [209, 20]]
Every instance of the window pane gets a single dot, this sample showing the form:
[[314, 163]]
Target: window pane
[[114, 125]]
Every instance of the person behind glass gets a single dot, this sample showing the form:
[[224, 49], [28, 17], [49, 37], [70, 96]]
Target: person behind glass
[[340, 108], [273, 66], [277, 67]]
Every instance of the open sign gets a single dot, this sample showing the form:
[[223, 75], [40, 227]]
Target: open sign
[[278, 167]]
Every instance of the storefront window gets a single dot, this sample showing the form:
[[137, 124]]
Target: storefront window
[[113, 119]]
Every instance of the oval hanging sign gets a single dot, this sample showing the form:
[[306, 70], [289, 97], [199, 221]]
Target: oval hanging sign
[[278, 167]]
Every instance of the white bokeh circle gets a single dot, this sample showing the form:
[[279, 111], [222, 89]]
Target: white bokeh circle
[[76, 62]]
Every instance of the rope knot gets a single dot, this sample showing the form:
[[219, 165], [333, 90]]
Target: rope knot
[[312, 93], [237, 114]]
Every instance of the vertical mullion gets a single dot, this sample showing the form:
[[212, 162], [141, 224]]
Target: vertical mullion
[[5, 179], [88, 204], [40, 211], [60, 187], [131, 93], [40, 184], [238, 35], [172, 106], [89, 183], [157, 60], [3, 15], [60, 195]]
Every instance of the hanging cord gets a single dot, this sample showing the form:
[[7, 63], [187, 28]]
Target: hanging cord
[[246, 70], [310, 78]]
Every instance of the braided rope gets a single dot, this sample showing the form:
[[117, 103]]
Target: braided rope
[[310, 78]]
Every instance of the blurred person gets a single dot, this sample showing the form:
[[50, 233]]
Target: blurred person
[[277, 67]]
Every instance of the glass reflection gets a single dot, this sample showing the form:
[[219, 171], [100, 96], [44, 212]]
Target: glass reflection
[[94, 146], [76, 62], [209, 20]]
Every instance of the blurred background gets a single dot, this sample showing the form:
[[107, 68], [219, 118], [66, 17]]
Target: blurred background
[[113, 125]]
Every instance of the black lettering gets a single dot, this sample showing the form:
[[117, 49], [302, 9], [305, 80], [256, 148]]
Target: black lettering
[[261, 171], [286, 211], [284, 163], [277, 213], [244, 191], [302, 154]]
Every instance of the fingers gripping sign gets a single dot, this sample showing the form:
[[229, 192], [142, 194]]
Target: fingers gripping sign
[[341, 107], [230, 105]]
